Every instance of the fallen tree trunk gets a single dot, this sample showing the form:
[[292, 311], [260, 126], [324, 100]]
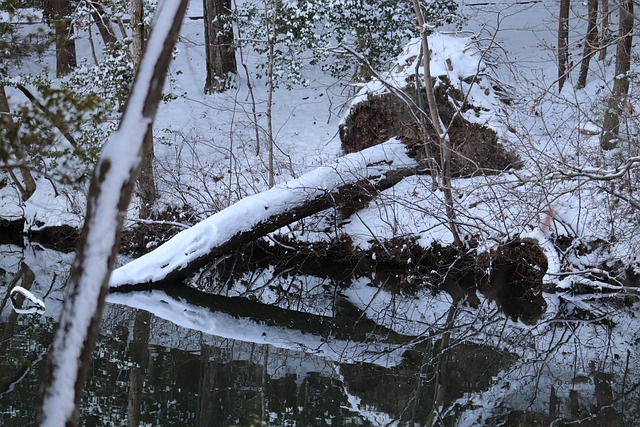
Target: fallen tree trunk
[[355, 176]]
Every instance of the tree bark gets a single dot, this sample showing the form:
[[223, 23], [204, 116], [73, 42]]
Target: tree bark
[[590, 43], [252, 218], [138, 31], [605, 30], [443, 138], [60, 11], [617, 102], [11, 130], [146, 179], [103, 23], [107, 201], [563, 43], [219, 45]]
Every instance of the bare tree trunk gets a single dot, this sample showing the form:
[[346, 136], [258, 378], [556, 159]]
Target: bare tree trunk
[[271, 39], [138, 31], [590, 42], [219, 46], [60, 10], [146, 179], [563, 43], [617, 101], [605, 30], [103, 23], [7, 123], [443, 139], [107, 201]]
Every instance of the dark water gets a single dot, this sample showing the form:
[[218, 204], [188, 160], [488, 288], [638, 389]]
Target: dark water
[[318, 356]]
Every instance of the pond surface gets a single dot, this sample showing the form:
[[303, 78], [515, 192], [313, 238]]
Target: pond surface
[[324, 351]]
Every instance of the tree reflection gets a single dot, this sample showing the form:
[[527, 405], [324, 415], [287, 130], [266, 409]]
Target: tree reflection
[[387, 358]]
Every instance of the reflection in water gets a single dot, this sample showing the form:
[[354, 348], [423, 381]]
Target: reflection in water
[[325, 354]]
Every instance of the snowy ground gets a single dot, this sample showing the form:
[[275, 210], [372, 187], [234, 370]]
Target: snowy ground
[[206, 155], [207, 161]]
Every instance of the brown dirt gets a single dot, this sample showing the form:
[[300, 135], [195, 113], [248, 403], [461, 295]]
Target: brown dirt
[[476, 147]]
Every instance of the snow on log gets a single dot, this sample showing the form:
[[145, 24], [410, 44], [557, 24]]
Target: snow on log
[[371, 170], [348, 337]]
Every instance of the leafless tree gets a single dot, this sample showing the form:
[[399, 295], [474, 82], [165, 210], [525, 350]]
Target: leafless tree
[[590, 42], [146, 179], [444, 143]]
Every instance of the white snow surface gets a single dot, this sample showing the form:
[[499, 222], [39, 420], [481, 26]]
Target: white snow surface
[[208, 147]]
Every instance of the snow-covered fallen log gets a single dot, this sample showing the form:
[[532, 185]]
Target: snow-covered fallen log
[[357, 174]]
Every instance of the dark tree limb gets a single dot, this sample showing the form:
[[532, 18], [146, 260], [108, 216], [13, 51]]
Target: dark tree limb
[[563, 43], [60, 125], [590, 43]]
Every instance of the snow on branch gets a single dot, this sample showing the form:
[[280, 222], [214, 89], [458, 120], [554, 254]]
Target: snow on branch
[[108, 198], [377, 167], [601, 174]]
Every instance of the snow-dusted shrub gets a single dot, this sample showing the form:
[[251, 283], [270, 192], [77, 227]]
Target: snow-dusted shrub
[[306, 30]]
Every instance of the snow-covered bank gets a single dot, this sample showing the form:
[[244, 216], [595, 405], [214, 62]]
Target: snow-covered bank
[[207, 149]]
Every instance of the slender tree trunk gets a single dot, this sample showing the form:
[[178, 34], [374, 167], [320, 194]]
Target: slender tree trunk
[[138, 31], [60, 11], [443, 139], [146, 179], [219, 46], [271, 35], [604, 35], [9, 126], [107, 201], [563, 43], [617, 101], [590, 42], [103, 23]]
